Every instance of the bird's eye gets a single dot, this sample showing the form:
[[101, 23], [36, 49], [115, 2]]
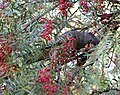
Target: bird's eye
[[90, 40]]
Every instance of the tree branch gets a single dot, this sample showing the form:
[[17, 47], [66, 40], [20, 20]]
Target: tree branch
[[102, 91]]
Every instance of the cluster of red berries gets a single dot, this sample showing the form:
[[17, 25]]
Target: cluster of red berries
[[44, 77], [48, 28], [4, 67], [84, 5], [5, 48], [64, 5], [106, 16], [64, 53], [5, 51]]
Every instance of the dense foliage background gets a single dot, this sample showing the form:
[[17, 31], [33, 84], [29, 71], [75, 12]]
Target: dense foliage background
[[27, 67]]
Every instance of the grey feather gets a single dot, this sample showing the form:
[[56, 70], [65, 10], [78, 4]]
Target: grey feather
[[82, 38]]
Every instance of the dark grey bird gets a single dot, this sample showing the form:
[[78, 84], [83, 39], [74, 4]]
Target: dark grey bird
[[82, 38]]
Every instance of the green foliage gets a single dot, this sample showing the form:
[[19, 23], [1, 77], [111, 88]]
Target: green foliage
[[21, 27]]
